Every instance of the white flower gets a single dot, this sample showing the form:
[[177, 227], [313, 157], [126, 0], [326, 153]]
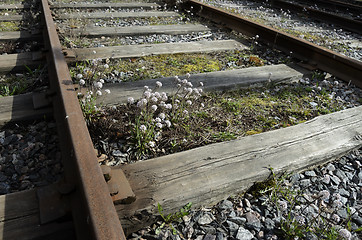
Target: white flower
[[154, 108], [99, 93], [168, 123], [335, 218], [106, 66], [196, 91], [162, 116], [300, 219], [146, 88], [158, 84], [162, 104], [177, 78], [345, 234], [168, 106], [98, 85], [283, 205], [177, 101], [164, 96], [189, 102], [157, 95], [142, 103], [151, 144], [81, 82], [189, 90], [107, 91], [202, 105], [159, 125], [101, 80], [200, 90], [157, 119], [147, 94], [188, 75], [79, 76], [143, 128], [154, 99], [184, 81], [201, 84], [130, 100], [189, 84], [185, 112]]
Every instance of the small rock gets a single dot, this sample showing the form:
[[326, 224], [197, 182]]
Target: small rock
[[233, 227], [209, 237], [305, 183], [238, 220], [252, 221], [205, 218], [310, 173], [269, 224], [330, 167], [244, 234], [225, 205], [343, 192]]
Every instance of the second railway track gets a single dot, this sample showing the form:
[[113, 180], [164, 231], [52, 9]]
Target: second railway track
[[108, 41]]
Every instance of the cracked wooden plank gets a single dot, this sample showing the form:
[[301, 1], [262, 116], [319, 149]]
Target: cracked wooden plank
[[139, 30], [209, 174], [128, 51]]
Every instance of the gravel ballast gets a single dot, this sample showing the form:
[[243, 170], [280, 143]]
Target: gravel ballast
[[335, 186], [29, 157]]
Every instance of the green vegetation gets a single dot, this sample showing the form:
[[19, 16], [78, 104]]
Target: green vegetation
[[213, 117], [151, 67], [172, 217], [9, 26], [20, 83]]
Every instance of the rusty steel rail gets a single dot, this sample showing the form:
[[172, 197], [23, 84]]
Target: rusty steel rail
[[93, 212], [345, 68], [346, 23], [336, 5]]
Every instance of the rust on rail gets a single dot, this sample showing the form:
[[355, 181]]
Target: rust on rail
[[347, 23], [93, 211], [345, 68]]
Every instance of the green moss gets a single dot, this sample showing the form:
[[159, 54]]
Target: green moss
[[259, 187], [252, 132], [169, 65], [9, 26]]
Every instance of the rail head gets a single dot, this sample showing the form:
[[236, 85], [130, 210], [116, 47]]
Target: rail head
[[93, 211]]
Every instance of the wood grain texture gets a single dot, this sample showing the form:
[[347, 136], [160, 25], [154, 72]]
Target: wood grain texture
[[17, 35], [20, 108], [211, 173], [139, 30], [128, 51], [19, 219], [143, 5], [15, 61], [96, 15], [87, 5], [213, 81], [9, 18]]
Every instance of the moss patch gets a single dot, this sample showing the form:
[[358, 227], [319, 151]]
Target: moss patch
[[9, 26], [149, 67]]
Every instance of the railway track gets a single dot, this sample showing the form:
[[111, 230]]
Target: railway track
[[80, 206]]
